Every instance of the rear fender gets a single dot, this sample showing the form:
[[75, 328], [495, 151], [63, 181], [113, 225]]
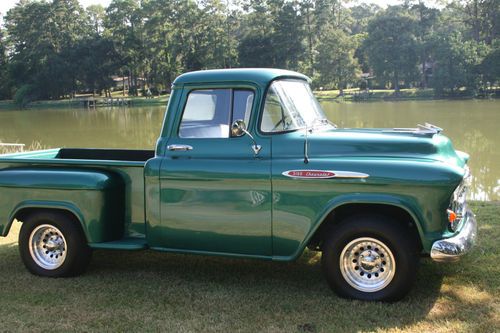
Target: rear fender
[[95, 197], [26, 207]]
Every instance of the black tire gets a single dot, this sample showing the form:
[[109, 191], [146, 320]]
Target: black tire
[[350, 236], [76, 251]]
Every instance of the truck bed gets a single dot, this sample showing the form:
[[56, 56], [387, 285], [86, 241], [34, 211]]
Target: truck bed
[[128, 164]]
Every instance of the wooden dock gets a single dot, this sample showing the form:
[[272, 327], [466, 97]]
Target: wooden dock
[[93, 102]]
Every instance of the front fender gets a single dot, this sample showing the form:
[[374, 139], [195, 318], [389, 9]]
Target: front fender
[[406, 203]]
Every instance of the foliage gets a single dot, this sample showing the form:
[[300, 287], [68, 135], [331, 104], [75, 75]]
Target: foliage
[[41, 49], [4, 74], [271, 35], [58, 48], [490, 67], [391, 45], [24, 95], [457, 63], [335, 60]]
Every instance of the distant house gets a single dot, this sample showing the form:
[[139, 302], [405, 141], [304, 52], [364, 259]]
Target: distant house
[[124, 80], [429, 67], [367, 76]]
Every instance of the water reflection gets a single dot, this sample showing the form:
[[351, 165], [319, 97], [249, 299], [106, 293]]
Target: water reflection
[[472, 125]]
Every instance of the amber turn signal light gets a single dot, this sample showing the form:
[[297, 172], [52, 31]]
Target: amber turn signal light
[[452, 216]]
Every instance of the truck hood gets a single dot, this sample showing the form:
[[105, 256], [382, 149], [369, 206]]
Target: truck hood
[[386, 143]]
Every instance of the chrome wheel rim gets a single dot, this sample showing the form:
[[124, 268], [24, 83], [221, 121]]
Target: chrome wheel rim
[[47, 246], [367, 264]]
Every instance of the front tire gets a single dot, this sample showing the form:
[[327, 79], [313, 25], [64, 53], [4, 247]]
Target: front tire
[[371, 258], [52, 244]]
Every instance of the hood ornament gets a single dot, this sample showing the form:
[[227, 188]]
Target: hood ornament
[[427, 127]]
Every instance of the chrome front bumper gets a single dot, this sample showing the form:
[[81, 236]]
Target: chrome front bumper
[[451, 249]]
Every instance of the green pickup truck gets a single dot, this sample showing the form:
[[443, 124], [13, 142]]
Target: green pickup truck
[[247, 165]]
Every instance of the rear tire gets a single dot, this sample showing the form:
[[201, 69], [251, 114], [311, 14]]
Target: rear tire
[[52, 244], [370, 257]]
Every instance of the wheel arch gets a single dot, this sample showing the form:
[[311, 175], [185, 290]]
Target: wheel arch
[[354, 202], [25, 208]]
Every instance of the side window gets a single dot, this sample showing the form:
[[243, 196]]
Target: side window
[[206, 114], [242, 105]]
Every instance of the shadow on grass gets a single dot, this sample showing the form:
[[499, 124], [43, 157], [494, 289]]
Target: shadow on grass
[[206, 293]]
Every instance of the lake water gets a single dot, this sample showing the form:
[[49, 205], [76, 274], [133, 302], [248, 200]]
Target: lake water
[[473, 125]]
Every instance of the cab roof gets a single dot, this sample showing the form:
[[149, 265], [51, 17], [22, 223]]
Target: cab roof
[[260, 76]]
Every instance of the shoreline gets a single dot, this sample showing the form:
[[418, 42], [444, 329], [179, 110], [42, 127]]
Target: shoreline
[[350, 95]]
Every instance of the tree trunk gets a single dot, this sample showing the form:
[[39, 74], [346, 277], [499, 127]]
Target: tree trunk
[[310, 41], [396, 83]]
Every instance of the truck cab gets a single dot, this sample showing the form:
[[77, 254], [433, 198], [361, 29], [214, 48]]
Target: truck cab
[[248, 165]]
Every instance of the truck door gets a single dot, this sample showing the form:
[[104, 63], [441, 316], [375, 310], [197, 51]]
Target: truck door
[[215, 192]]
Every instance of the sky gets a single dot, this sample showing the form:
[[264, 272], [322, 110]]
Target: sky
[[5, 5]]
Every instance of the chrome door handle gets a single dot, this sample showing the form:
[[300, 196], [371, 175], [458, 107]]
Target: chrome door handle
[[179, 147]]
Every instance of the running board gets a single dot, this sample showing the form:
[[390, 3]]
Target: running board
[[128, 244]]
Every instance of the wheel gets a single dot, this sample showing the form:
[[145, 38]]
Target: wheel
[[52, 244], [371, 258]]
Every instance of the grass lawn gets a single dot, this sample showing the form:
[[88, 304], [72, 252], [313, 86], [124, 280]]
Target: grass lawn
[[148, 291]]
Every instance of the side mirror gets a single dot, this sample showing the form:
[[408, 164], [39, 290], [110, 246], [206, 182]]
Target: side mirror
[[239, 128]]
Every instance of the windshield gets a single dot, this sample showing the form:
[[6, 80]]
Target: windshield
[[291, 105]]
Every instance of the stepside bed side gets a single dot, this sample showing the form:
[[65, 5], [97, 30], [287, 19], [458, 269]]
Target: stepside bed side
[[94, 197]]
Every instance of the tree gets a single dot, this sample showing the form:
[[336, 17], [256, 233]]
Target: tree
[[4, 69], [255, 48], [288, 36], [481, 18], [390, 45], [457, 63], [331, 13], [490, 66], [219, 21], [163, 49], [361, 15], [42, 36], [426, 19], [97, 63], [97, 16], [124, 25], [307, 10], [335, 61], [54, 48], [272, 34]]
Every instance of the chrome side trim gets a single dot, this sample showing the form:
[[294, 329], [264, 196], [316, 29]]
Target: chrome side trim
[[451, 249], [322, 174], [350, 174]]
